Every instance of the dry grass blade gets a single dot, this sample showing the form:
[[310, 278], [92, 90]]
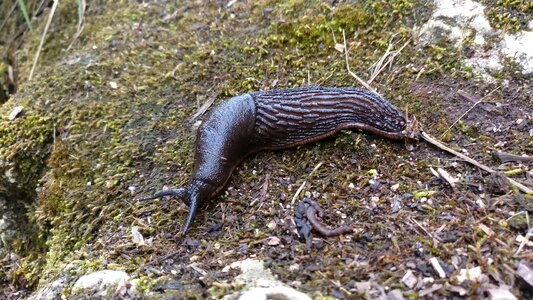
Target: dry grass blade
[[361, 81], [467, 111], [525, 240], [424, 229], [202, 109], [304, 183], [432, 141], [36, 58], [13, 6], [387, 58], [81, 17]]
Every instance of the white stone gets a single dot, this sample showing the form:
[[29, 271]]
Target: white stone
[[254, 274], [15, 112], [409, 279], [457, 19], [279, 292], [101, 279], [520, 48], [50, 291], [467, 15], [459, 10], [501, 294], [469, 274], [261, 283], [482, 65]]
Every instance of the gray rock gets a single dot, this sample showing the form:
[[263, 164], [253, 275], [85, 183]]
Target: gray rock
[[525, 272], [278, 293], [501, 294], [261, 284], [395, 295], [101, 280], [456, 20], [50, 292]]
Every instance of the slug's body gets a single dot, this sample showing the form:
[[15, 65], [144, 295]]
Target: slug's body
[[278, 119]]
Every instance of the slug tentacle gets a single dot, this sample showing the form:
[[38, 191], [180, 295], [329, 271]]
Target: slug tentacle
[[181, 193], [200, 192]]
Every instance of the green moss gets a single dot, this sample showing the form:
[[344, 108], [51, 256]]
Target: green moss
[[519, 221], [24, 147], [509, 15]]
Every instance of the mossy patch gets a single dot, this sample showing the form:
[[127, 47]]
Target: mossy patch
[[509, 15]]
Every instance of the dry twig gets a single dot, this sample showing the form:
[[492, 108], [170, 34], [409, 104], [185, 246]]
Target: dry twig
[[387, 58], [36, 58], [507, 157], [361, 81], [81, 13], [468, 110], [474, 99], [434, 142], [303, 184]]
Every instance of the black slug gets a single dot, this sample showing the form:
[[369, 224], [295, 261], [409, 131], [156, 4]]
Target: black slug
[[278, 119]]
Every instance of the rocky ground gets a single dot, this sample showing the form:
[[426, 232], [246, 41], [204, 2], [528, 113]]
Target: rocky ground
[[110, 115]]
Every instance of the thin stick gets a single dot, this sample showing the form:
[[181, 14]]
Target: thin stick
[[473, 99], [361, 81], [388, 56], [507, 157], [81, 17], [424, 229], [52, 11], [434, 142], [76, 36], [202, 109], [13, 6], [468, 110], [524, 241], [303, 184]]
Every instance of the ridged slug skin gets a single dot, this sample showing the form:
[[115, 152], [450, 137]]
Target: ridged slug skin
[[278, 119]]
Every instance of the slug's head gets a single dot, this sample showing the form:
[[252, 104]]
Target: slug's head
[[386, 120], [394, 122], [198, 192], [398, 126]]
